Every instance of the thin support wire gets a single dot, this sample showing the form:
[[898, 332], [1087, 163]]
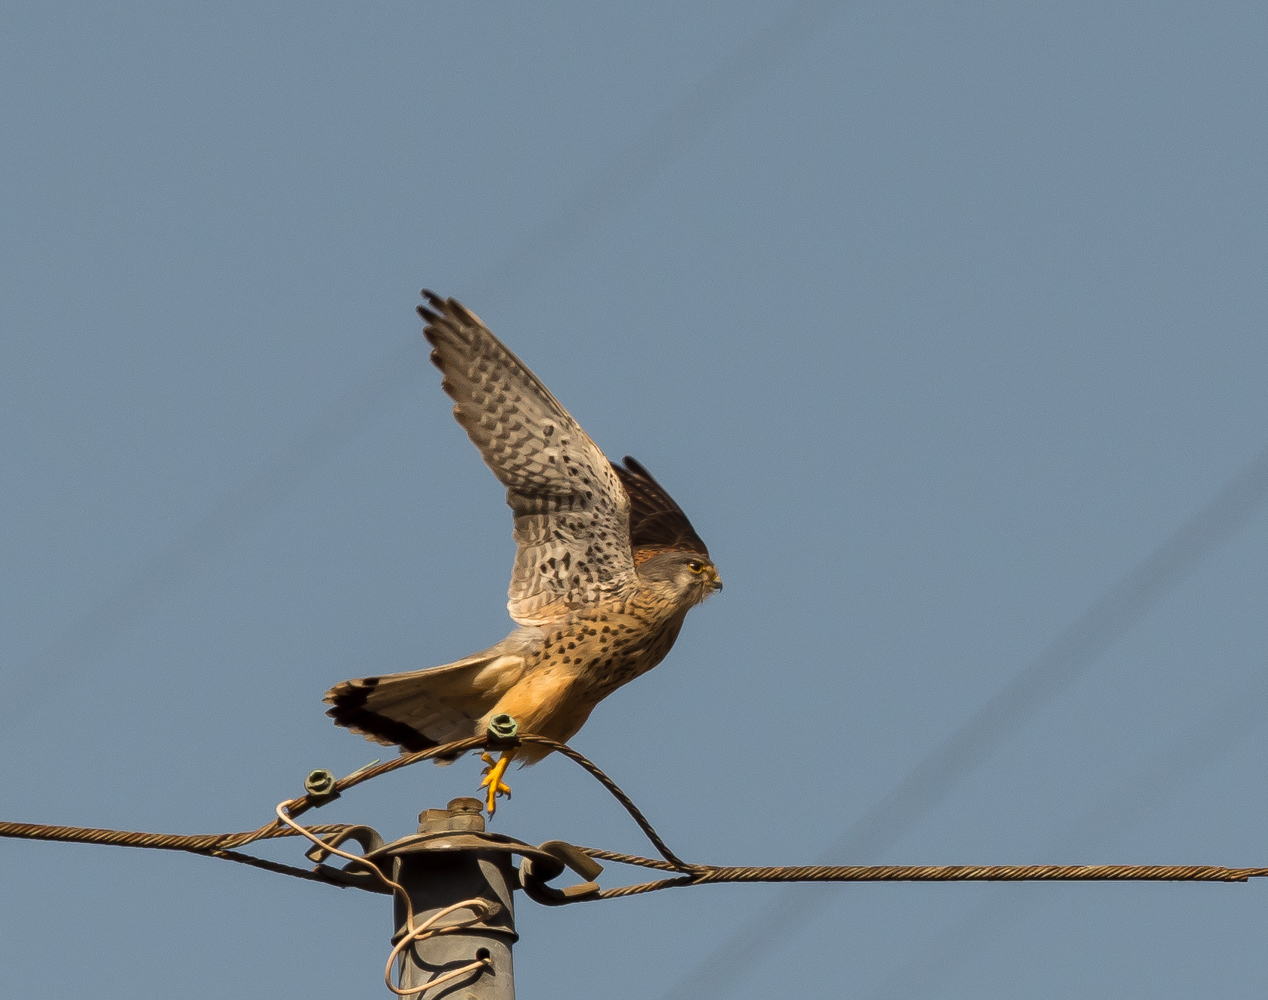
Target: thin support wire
[[480, 910]]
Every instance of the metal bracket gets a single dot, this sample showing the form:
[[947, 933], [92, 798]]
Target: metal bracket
[[353, 873], [536, 872]]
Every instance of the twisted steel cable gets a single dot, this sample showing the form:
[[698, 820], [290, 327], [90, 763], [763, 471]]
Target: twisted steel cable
[[223, 845], [200, 843]]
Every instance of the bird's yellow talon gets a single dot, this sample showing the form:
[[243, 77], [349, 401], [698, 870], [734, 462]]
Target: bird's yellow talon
[[493, 780]]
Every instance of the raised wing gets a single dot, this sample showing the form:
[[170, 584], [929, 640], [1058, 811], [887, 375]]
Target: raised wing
[[656, 522], [572, 515]]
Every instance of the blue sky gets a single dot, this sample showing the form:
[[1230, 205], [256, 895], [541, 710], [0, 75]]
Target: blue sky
[[936, 319]]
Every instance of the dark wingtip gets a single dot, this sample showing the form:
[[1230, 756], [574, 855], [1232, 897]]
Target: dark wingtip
[[636, 467], [442, 312], [436, 303], [656, 521]]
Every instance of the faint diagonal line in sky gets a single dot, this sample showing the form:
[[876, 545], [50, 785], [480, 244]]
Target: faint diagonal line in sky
[[1235, 718], [1066, 659], [619, 181], [227, 521], [628, 173]]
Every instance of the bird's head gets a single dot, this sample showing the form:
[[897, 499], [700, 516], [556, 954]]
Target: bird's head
[[687, 577]]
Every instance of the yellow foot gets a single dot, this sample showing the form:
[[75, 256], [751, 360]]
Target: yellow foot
[[493, 780]]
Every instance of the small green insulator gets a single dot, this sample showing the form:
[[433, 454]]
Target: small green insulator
[[319, 783], [503, 727]]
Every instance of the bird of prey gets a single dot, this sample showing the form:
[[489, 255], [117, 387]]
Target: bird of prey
[[606, 568]]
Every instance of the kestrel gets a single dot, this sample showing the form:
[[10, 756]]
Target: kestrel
[[606, 569]]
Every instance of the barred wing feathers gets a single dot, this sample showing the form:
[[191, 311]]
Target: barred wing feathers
[[572, 515]]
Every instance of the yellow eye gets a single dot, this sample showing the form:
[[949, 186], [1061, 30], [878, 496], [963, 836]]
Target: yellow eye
[[696, 566]]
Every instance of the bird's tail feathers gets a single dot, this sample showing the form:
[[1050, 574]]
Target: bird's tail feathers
[[421, 709]]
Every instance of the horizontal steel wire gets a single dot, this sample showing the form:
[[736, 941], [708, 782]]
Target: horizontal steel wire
[[712, 875], [200, 843], [223, 845]]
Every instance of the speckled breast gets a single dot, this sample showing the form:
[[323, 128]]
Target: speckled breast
[[609, 649]]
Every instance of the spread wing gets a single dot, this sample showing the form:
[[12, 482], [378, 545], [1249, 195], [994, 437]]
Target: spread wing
[[656, 522], [572, 516]]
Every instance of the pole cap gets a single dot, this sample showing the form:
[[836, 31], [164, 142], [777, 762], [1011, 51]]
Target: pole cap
[[462, 816]]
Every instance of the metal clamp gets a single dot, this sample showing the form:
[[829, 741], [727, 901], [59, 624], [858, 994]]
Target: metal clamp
[[354, 873], [536, 872]]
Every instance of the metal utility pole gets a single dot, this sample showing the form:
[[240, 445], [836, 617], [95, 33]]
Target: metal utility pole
[[458, 879], [446, 863]]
